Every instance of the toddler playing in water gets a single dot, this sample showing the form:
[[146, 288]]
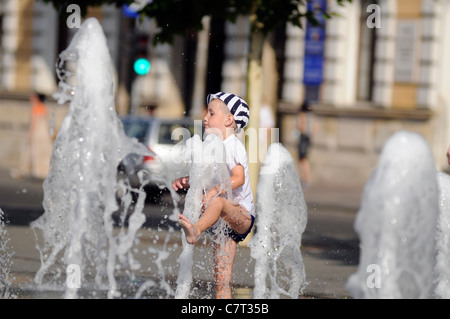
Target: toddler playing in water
[[227, 114]]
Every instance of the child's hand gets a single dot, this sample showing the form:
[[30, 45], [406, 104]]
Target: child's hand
[[181, 183]]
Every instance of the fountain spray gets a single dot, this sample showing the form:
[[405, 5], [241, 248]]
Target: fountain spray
[[80, 190]]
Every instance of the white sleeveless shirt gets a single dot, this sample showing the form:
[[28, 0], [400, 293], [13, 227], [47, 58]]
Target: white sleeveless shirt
[[235, 154]]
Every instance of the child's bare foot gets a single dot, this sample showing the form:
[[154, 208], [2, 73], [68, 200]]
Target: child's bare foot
[[189, 229]]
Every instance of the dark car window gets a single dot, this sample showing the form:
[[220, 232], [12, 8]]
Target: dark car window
[[166, 129], [137, 129]]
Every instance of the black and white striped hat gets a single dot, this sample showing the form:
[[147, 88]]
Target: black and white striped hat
[[237, 106]]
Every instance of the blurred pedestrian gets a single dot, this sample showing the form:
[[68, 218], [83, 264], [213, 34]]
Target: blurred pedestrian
[[35, 157], [304, 143], [448, 155]]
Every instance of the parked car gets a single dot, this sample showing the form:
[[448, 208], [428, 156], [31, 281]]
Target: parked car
[[161, 136]]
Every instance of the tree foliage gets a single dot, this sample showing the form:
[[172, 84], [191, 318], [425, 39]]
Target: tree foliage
[[176, 17]]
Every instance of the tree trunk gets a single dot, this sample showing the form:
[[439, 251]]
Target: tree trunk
[[254, 95], [201, 64]]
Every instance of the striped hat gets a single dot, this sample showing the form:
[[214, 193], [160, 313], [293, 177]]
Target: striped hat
[[237, 106]]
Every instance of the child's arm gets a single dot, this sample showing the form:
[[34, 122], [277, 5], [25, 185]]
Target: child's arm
[[181, 183], [237, 176]]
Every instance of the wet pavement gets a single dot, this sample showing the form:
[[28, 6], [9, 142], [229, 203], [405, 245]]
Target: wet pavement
[[330, 246]]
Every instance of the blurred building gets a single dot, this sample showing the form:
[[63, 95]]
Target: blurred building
[[379, 76], [383, 68], [378, 80]]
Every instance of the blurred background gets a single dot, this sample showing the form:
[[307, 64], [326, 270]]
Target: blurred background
[[367, 73]]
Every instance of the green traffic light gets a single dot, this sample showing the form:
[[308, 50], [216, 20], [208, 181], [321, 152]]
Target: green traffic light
[[141, 66]]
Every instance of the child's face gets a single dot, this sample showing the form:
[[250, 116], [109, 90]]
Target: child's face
[[215, 119]]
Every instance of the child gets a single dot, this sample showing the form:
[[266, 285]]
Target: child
[[227, 114]]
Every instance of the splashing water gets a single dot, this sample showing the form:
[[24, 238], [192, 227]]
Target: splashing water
[[5, 260], [80, 190], [396, 223], [208, 169], [281, 221], [443, 238]]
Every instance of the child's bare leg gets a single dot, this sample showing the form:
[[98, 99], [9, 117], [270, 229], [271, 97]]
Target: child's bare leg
[[209, 218], [224, 258], [236, 217], [189, 230]]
